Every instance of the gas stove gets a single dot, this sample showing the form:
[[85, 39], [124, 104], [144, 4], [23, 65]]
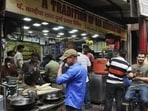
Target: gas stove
[[45, 106], [10, 88], [22, 109]]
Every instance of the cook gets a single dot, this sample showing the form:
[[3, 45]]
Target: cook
[[32, 67]]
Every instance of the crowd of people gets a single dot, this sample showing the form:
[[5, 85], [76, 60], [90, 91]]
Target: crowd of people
[[118, 68], [29, 71], [72, 75]]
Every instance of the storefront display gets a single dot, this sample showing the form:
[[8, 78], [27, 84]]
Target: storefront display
[[29, 48], [62, 31]]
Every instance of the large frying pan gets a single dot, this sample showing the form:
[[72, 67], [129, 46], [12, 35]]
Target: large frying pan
[[22, 102], [52, 97]]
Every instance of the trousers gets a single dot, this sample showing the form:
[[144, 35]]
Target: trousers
[[143, 92], [69, 108], [114, 91]]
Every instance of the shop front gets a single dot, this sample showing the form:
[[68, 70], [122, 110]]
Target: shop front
[[52, 26]]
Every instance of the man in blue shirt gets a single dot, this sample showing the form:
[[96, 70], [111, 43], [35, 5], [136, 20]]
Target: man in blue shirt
[[75, 79]]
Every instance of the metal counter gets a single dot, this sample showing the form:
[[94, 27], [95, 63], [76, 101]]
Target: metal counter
[[42, 104], [52, 107], [97, 87]]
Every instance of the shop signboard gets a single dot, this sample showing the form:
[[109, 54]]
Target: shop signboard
[[65, 14], [143, 7]]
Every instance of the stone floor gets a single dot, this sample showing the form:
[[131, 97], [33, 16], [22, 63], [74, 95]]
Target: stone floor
[[95, 107]]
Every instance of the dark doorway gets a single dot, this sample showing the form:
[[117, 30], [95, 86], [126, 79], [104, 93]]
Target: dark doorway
[[135, 45]]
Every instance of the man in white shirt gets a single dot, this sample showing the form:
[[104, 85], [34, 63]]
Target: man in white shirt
[[84, 60], [18, 59]]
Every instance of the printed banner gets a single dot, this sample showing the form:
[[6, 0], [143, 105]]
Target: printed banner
[[65, 14]]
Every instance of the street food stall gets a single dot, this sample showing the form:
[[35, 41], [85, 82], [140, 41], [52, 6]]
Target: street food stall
[[16, 30], [39, 98]]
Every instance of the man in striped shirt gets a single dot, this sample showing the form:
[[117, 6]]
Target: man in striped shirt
[[117, 68]]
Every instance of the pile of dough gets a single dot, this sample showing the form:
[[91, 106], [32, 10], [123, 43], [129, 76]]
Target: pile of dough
[[43, 87], [46, 88]]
